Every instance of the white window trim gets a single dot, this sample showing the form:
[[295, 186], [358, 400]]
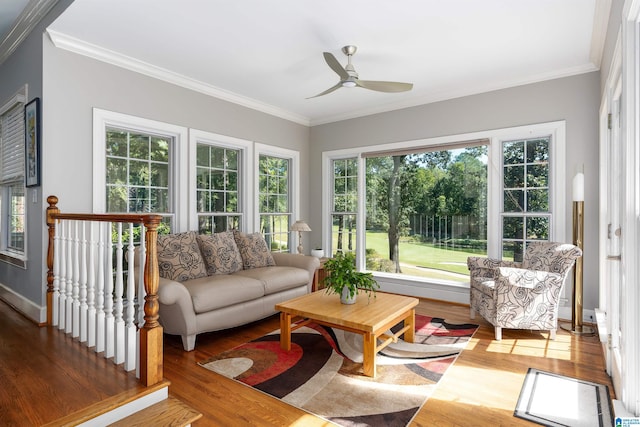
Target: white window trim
[[294, 173], [441, 289], [9, 256], [246, 182], [178, 188]]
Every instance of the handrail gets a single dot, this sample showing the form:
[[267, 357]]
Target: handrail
[[151, 332]]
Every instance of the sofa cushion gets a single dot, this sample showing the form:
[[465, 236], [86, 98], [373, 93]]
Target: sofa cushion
[[222, 290], [179, 257], [220, 253], [276, 278], [253, 250]]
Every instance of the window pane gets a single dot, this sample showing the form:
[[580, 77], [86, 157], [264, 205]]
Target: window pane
[[139, 146], [538, 151], [513, 152], [116, 171], [116, 143], [16, 221], [514, 176], [426, 212], [512, 251], [514, 201], [513, 228], [160, 175], [538, 176], [538, 201], [159, 150], [538, 228]]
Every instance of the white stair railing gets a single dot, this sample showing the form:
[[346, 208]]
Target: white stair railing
[[95, 294]]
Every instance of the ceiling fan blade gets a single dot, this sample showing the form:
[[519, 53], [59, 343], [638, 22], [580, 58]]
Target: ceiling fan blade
[[384, 86], [331, 89], [333, 63]]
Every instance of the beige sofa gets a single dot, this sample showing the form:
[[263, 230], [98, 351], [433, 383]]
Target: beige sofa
[[224, 280]]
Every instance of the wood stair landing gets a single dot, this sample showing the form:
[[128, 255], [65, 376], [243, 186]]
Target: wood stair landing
[[171, 412]]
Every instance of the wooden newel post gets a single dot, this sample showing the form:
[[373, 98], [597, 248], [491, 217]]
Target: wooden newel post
[[51, 223], [151, 365]]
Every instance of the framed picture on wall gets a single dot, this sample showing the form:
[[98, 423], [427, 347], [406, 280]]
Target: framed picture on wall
[[32, 143]]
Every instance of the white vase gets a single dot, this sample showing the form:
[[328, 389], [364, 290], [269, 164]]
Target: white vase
[[345, 298], [318, 253]]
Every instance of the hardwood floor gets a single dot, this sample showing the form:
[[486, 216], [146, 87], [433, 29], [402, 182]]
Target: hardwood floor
[[45, 375], [480, 389]]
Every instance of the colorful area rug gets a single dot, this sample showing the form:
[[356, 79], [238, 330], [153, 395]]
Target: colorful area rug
[[556, 400], [322, 373]]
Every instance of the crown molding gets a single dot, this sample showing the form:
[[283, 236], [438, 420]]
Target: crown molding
[[28, 19], [601, 14], [84, 48]]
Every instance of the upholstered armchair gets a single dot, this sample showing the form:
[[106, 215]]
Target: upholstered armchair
[[524, 295]]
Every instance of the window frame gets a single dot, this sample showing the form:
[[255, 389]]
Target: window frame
[[245, 185], [557, 190], [178, 155], [8, 254]]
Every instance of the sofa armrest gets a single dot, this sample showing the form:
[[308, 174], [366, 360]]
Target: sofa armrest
[[308, 263], [177, 315]]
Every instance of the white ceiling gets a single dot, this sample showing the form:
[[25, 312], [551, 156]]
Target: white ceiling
[[268, 54]]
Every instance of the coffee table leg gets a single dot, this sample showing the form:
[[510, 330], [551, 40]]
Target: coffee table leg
[[410, 321], [369, 355], [285, 331]]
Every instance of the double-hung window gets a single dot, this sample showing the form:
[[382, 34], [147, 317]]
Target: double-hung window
[[277, 190], [12, 187], [135, 167], [344, 210], [526, 214]]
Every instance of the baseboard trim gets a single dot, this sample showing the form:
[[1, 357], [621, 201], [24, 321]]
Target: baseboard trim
[[25, 306]]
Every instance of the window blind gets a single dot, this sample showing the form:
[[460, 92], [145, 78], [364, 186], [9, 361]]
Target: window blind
[[12, 144], [426, 148]]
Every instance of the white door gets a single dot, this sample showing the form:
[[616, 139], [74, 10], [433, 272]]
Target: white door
[[614, 205]]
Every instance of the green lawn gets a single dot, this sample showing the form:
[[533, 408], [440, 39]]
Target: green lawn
[[415, 257]]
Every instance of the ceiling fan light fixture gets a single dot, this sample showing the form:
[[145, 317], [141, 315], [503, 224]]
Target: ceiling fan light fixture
[[349, 83]]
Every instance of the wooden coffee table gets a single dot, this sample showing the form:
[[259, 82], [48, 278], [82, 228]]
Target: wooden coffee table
[[370, 318]]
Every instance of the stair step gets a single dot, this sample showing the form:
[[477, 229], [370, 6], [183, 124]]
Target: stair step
[[171, 412]]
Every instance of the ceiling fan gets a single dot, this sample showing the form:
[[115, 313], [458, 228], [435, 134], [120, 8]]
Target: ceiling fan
[[349, 77]]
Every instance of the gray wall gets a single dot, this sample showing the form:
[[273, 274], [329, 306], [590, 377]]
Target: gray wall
[[25, 66], [574, 99]]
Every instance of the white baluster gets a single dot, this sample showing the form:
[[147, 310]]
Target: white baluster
[[62, 276], [76, 281], [69, 286], [100, 314], [130, 327], [108, 296], [91, 288], [56, 276], [84, 308], [119, 321]]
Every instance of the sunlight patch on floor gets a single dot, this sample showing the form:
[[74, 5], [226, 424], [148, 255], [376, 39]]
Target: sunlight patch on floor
[[559, 349]]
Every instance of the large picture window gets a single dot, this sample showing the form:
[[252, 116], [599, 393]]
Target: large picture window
[[428, 205], [426, 212]]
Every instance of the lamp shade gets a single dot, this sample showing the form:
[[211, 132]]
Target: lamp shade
[[300, 226]]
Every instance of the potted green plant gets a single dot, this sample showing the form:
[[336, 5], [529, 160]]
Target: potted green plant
[[343, 279]]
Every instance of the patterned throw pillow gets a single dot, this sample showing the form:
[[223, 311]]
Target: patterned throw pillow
[[220, 253], [254, 250], [179, 257]]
